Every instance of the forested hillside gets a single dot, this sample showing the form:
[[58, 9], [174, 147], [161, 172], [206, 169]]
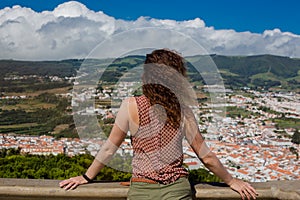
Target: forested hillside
[[15, 165], [260, 71]]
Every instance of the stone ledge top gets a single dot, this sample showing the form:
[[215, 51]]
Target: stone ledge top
[[49, 189]]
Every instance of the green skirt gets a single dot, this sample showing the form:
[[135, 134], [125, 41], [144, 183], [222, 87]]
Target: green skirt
[[180, 189]]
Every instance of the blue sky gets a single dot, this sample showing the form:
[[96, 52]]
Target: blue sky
[[241, 15], [72, 29]]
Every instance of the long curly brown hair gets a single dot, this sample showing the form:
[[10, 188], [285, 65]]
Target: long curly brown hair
[[163, 71]]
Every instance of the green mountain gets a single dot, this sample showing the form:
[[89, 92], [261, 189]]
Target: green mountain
[[260, 71]]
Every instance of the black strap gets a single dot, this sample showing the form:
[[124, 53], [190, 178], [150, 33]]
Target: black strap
[[87, 178]]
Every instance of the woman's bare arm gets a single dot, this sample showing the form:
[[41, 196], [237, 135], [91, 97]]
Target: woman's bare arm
[[210, 160], [113, 142]]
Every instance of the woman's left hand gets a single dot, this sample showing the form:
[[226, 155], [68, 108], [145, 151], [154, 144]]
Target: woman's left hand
[[72, 183]]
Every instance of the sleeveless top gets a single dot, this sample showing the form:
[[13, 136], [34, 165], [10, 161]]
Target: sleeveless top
[[157, 147]]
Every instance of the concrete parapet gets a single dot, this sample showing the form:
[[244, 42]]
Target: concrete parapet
[[39, 189]]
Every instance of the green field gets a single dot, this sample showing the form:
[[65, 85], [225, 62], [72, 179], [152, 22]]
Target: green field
[[18, 126], [284, 123], [28, 105]]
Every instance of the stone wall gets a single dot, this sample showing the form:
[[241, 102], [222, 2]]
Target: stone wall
[[29, 189]]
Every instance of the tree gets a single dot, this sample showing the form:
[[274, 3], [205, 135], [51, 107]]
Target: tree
[[294, 151], [202, 175], [296, 137]]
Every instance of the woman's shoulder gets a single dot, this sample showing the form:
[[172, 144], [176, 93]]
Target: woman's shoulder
[[136, 98], [134, 102], [129, 100]]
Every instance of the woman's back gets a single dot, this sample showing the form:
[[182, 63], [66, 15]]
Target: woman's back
[[157, 146]]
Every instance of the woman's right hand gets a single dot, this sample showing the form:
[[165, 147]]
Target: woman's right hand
[[243, 188], [72, 183]]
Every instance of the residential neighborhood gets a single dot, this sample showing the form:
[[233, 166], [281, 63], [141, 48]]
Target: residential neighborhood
[[251, 147]]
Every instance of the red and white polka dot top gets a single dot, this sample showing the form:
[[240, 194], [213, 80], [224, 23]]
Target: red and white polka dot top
[[157, 147]]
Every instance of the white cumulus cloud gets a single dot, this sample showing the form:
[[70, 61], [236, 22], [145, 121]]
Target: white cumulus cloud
[[71, 30]]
